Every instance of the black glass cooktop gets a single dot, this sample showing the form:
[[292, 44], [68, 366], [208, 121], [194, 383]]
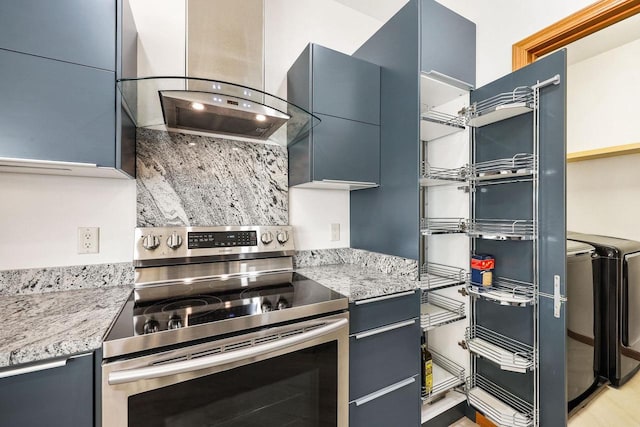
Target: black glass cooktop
[[237, 303]]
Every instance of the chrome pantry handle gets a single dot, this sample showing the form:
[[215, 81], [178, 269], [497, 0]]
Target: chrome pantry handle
[[383, 329], [382, 392], [384, 297], [149, 372]]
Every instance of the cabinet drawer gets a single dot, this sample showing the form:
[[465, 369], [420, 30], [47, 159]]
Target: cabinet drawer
[[77, 31], [383, 356], [397, 405], [380, 311], [56, 397], [346, 150], [53, 110]]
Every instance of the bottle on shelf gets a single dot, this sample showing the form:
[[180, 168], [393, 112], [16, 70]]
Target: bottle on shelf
[[427, 368]]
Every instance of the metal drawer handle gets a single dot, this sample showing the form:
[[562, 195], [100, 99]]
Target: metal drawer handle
[[384, 297], [34, 368], [158, 371], [43, 164], [385, 329], [338, 181], [384, 391]]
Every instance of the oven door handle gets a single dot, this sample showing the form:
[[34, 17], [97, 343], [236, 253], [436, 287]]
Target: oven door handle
[[205, 362]]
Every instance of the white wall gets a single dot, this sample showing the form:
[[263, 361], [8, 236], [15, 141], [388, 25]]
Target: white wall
[[40, 215], [603, 196], [501, 23], [601, 96]]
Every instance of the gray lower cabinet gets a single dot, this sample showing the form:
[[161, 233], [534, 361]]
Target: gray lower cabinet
[[384, 361], [54, 397], [344, 93], [55, 110]]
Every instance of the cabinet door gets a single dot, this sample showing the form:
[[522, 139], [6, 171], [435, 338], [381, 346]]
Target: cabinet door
[[346, 150], [344, 86], [56, 397], [443, 27], [53, 110], [515, 259], [77, 31]]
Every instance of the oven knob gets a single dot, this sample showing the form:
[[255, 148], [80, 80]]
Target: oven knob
[[150, 242], [282, 304], [266, 238], [174, 323], [151, 326], [282, 237], [174, 241], [266, 306]]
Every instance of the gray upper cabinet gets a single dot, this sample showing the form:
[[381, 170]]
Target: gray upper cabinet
[[77, 31], [343, 150], [57, 111], [448, 43], [62, 112]]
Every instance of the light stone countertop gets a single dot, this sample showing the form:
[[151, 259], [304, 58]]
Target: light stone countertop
[[56, 324], [357, 282]]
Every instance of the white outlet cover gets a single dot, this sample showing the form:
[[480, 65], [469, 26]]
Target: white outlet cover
[[335, 232], [88, 240]]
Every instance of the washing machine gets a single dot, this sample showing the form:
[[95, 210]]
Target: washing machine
[[584, 331], [620, 286]]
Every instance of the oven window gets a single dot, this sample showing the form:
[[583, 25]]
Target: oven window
[[293, 390]]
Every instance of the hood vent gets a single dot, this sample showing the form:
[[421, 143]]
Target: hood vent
[[208, 107]]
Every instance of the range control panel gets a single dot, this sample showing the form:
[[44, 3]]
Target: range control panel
[[220, 239], [152, 243]]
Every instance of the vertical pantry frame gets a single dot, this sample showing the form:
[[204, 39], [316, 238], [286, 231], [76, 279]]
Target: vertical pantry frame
[[444, 158]]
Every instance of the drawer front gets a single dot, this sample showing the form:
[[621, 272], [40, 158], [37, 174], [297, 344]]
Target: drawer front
[[56, 397], [383, 356], [380, 311], [77, 31], [53, 110], [399, 407]]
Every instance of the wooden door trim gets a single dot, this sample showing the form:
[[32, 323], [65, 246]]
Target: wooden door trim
[[586, 21]]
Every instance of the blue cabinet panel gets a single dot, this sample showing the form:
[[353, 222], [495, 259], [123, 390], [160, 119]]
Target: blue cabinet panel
[[399, 408], [346, 150], [448, 42], [345, 87], [54, 110], [57, 397], [77, 31]]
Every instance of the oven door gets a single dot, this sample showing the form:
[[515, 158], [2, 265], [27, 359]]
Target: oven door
[[293, 375]]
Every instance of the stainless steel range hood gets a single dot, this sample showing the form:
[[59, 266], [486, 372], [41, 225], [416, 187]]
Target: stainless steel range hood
[[210, 107]]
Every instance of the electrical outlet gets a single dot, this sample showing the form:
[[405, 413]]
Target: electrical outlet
[[335, 232], [88, 240]]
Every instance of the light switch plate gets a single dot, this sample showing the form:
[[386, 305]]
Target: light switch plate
[[335, 232]]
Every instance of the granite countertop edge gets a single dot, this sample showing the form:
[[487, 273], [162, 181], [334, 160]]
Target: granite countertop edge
[[52, 325], [358, 282]]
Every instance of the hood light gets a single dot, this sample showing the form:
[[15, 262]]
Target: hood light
[[261, 117], [197, 106]]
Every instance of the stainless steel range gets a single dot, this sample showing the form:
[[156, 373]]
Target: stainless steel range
[[220, 331]]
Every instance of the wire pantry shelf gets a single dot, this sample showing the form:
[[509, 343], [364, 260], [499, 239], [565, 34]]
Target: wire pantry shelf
[[522, 164], [446, 375], [431, 226], [511, 355], [431, 175], [434, 276], [500, 107], [502, 229], [497, 404], [503, 291], [435, 124], [437, 310]]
